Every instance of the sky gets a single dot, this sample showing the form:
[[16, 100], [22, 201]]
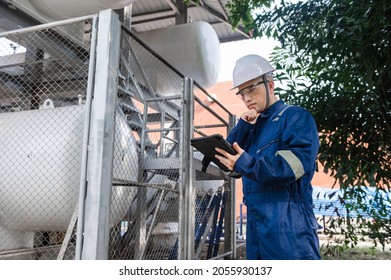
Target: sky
[[232, 51]]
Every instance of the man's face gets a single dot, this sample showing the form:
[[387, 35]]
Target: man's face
[[253, 93]]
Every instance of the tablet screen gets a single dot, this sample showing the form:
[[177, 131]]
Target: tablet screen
[[207, 144]]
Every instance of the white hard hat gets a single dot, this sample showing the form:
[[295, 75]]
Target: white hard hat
[[250, 67]]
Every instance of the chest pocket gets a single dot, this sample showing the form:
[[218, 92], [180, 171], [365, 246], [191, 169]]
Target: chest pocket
[[273, 142]]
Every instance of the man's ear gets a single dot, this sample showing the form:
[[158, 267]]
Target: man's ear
[[271, 86]]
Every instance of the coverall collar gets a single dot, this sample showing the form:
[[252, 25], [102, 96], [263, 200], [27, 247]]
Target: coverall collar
[[272, 109]]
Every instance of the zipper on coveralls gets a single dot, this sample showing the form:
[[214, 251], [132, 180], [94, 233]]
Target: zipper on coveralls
[[267, 145]]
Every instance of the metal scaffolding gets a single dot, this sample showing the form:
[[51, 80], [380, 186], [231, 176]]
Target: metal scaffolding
[[95, 155]]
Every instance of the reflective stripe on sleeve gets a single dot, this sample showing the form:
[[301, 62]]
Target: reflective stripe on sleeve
[[293, 161]]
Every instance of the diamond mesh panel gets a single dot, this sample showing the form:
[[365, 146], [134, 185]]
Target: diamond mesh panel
[[44, 75], [43, 85]]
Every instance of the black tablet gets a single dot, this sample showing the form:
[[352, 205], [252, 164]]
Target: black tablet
[[207, 144]]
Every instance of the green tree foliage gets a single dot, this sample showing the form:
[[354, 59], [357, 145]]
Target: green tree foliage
[[335, 60]]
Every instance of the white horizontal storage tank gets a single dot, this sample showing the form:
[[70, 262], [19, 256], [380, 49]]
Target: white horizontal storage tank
[[192, 48], [40, 160]]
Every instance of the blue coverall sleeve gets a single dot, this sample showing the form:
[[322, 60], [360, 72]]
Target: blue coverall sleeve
[[289, 158], [241, 133]]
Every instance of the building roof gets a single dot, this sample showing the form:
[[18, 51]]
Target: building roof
[[155, 14], [146, 15]]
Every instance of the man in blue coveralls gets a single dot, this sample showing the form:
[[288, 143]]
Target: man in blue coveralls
[[277, 146]]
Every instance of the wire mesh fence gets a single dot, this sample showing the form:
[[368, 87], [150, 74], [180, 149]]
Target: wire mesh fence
[[43, 84], [46, 74]]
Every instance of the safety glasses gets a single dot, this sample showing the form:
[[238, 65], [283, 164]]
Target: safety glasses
[[249, 90]]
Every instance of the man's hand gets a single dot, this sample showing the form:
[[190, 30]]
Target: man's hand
[[250, 116], [227, 159]]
